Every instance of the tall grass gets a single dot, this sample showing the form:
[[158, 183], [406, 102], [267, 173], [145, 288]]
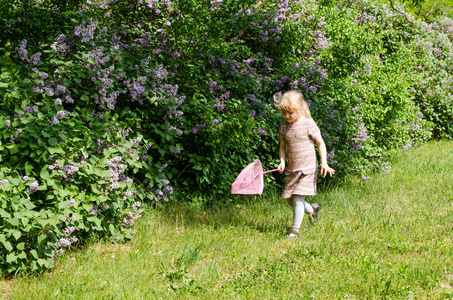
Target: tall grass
[[388, 237]]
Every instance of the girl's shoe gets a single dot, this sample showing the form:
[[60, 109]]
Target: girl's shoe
[[293, 234], [314, 215]]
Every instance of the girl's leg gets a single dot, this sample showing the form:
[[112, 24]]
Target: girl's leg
[[308, 208], [312, 210], [300, 207]]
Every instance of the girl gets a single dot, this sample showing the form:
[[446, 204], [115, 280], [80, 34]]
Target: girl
[[297, 136]]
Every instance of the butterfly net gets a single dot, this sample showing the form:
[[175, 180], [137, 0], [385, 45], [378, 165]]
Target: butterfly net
[[250, 180]]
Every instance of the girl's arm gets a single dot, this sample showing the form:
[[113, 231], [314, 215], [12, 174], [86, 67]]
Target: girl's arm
[[282, 154], [323, 153]]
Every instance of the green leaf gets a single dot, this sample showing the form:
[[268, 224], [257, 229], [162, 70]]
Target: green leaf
[[34, 253], [5, 243], [41, 238], [16, 233], [28, 168], [53, 142], [4, 214], [28, 204], [88, 206], [11, 257], [44, 174], [55, 150], [16, 94], [14, 221], [24, 221], [20, 246]]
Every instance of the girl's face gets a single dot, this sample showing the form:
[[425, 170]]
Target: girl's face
[[291, 116]]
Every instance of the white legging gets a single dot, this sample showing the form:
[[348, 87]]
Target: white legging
[[300, 207]]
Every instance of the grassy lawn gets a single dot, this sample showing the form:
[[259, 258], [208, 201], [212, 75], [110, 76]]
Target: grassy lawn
[[388, 237]]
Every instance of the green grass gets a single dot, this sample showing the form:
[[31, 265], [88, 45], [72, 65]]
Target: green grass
[[388, 237]]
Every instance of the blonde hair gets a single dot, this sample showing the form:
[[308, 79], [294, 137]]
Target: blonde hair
[[293, 101]]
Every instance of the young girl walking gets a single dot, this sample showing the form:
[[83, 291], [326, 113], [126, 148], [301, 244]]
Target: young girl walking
[[297, 137]]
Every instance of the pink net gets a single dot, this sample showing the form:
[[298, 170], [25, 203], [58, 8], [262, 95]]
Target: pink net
[[250, 180]]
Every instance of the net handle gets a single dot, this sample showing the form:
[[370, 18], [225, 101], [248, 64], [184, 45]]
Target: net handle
[[274, 170]]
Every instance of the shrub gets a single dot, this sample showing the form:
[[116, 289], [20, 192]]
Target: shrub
[[130, 100]]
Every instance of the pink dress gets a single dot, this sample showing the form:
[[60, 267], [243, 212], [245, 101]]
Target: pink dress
[[301, 154]]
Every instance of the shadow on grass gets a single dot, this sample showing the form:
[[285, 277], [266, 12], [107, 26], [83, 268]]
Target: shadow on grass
[[264, 213], [261, 213]]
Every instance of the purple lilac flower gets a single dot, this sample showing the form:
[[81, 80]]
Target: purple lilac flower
[[413, 126], [312, 89], [60, 89], [136, 88], [33, 187], [213, 86], [165, 191], [58, 102], [220, 106], [22, 51], [360, 137], [409, 144], [30, 110], [331, 155], [178, 131], [216, 121], [250, 61], [63, 242], [176, 151], [322, 41], [137, 141], [365, 177], [86, 34], [60, 46], [71, 202], [174, 54], [34, 59], [362, 133], [61, 114]]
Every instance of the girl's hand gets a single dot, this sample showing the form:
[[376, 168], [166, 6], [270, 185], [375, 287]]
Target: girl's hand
[[326, 169], [281, 167]]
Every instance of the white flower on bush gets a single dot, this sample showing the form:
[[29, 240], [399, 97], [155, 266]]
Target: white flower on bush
[[33, 187]]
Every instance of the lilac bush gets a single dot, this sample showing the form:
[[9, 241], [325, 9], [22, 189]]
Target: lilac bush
[[138, 103]]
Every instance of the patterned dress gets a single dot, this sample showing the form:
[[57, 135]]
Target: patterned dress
[[302, 168]]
